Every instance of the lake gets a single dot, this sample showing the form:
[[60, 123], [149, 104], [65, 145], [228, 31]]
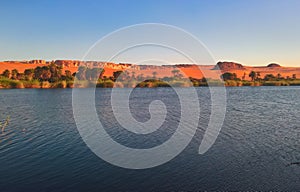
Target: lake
[[41, 149]]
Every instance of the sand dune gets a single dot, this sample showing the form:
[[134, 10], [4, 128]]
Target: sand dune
[[195, 71]]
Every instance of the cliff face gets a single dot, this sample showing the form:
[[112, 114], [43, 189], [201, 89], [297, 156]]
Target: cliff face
[[93, 64], [37, 62], [67, 63], [224, 66]]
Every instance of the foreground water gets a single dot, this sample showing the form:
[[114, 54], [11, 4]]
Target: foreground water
[[41, 149]]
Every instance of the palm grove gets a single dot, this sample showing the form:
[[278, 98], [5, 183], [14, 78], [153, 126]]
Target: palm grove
[[53, 76]]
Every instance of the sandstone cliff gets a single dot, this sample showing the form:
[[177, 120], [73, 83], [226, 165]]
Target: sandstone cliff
[[228, 66]]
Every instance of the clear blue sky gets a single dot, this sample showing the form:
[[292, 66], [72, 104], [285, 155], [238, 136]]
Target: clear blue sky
[[252, 32]]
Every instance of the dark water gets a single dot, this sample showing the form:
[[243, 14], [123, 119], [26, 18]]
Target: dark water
[[41, 149]]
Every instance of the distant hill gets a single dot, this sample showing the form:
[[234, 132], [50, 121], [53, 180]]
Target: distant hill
[[273, 65], [228, 66], [190, 70]]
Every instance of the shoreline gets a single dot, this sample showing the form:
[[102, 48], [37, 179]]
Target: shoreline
[[55, 76], [161, 85]]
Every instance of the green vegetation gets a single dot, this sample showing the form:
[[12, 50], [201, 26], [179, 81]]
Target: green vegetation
[[253, 75], [10, 83], [51, 76], [256, 80], [229, 76]]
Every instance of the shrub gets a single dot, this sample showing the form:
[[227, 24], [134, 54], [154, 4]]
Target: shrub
[[246, 83], [106, 84], [294, 82], [161, 84], [45, 85], [212, 82], [31, 84], [142, 84], [231, 83], [255, 83], [276, 83], [9, 83], [60, 84], [179, 84], [70, 84], [5, 83], [81, 84]]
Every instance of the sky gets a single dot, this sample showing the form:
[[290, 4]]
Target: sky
[[251, 32]]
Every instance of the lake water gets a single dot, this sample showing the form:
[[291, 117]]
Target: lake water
[[41, 149]]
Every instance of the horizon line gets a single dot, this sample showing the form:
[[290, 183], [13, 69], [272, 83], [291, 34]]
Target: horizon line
[[223, 61]]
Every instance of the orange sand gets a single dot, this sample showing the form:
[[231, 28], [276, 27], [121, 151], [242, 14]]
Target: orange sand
[[188, 71]]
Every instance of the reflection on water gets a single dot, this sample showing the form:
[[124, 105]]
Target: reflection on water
[[258, 147]]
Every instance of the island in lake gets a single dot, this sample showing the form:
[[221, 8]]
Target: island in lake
[[62, 73]]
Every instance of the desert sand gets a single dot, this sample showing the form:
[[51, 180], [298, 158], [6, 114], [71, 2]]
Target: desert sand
[[195, 71]]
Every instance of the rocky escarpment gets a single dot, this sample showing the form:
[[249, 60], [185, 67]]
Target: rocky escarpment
[[92, 64], [228, 66], [273, 65]]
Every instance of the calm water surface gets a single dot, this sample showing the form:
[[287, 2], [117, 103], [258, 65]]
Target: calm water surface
[[41, 149]]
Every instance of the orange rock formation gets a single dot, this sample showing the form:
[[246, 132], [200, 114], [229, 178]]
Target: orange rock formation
[[187, 70]]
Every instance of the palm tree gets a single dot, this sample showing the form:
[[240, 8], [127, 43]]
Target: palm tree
[[244, 76], [253, 75], [29, 74], [56, 73], [6, 73], [175, 72], [68, 75], [154, 73], [278, 76], [116, 74], [14, 73], [46, 73]]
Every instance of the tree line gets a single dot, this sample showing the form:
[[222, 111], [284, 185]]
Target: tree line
[[231, 79], [52, 76], [256, 76], [53, 73]]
